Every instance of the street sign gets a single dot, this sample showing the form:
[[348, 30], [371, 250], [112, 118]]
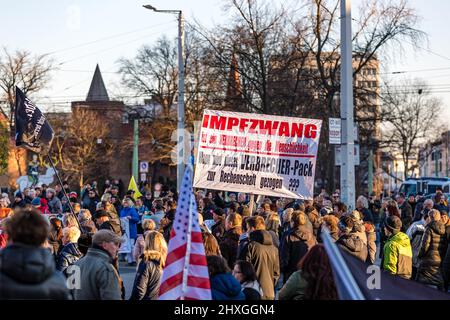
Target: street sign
[[355, 131], [143, 176], [143, 167], [334, 130], [337, 155]]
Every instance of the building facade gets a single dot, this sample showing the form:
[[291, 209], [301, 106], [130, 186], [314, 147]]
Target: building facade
[[434, 157]]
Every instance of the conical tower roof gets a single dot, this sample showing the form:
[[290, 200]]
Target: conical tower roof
[[97, 90]]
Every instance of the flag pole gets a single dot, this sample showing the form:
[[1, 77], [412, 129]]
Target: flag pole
[[340, 270], [188, 239], [64, 191]]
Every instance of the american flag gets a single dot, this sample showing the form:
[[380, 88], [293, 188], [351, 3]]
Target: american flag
[[185, 275]]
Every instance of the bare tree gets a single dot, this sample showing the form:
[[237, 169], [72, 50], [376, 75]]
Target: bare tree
[[263, 43], [410, 115], [289, 58], [83, 155], [379, 25], [29, 73], [153, 72]]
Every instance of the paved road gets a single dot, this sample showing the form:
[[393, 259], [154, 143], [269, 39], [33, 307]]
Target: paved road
[[127, 273]]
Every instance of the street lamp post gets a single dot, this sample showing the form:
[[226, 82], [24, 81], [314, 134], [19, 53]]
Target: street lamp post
[[348, 141], [181, 154]]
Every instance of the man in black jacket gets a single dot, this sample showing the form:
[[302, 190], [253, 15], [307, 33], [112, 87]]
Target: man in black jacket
[[406, 213], [218, 229], [27, 268], [230, 240]]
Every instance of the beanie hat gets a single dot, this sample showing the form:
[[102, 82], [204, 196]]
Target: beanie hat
[[19, 195], [393, 224], [36, 202]]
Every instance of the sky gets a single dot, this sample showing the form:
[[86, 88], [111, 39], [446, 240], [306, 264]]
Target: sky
[[80, 34]]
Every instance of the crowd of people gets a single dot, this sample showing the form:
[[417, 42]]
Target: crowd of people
[[257, 248]]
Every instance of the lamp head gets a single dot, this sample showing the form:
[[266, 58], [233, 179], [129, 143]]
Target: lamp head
[[147, 6]]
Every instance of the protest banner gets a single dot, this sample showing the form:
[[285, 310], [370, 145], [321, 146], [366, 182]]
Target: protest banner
[[260, 154], [126, 246]]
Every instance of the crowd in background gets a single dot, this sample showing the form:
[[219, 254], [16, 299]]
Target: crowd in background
[[257, 247]]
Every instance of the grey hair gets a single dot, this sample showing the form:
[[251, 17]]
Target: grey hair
[[363, 201], [84, 215]]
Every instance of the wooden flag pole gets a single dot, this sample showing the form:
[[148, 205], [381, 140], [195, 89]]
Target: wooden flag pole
[[64, 191]]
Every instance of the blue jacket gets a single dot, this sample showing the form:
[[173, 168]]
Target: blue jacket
[[225, 287], [125, 212]]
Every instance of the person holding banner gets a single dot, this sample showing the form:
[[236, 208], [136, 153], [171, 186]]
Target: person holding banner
[[130, 213]]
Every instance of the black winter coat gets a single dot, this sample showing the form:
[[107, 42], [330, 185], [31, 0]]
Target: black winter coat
[[28, 272], [146, 283], [229, 245], [406, 215], [92, 206], [366, 215], [446, 261], [295, 244], [431, 254], [242, 247], [68, 256], [418, 211], [218, 229]]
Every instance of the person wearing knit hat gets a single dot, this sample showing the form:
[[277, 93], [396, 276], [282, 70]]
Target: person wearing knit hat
[[397, 258], [19, 201], [36, 202], [393, 224], [53, 202]]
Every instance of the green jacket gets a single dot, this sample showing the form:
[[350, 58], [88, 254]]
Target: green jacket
[[294, 288], [397, 258]]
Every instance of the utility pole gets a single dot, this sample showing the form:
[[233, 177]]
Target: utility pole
[[182, 154], [436, 158], [348, 141], [370, 173], [135, 164]]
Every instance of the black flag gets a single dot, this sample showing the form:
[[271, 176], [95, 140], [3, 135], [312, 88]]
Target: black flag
[[33, 131]]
